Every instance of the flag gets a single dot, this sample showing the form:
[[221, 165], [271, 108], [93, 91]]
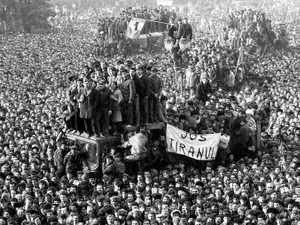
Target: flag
[[134, 28]]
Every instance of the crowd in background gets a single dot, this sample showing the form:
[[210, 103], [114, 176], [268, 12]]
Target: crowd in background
[[110, 30], [39, 78]]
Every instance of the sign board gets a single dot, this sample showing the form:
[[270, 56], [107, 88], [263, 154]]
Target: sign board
[[198, 147], [165, 2]]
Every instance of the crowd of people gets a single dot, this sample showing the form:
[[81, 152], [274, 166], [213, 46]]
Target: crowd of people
[[252, 29], [111, 33], [259, 28], [52, 83]]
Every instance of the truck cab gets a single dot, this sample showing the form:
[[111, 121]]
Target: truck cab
[[98, 148]]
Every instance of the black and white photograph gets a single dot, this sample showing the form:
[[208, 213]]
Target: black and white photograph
[[149, 112]]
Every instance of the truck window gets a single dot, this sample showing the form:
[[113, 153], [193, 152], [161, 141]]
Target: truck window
[[93, 158], [94, 147]]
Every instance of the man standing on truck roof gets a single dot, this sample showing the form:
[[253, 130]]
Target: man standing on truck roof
[[128, 91], [102, 109]]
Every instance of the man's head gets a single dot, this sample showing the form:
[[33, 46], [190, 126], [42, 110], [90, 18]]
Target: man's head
[[110, 219], [118, 157], [204, 80], [87, 83], [139, 70], [154, 71], [101, 84], [132, 72], [125, 74], [109, 159]]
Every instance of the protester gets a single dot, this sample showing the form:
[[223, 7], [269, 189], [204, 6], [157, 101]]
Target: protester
[[86, 98], [116, 99], [102, 109]]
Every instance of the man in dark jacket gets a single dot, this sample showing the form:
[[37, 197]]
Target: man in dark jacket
[[203, 89], [156, 88], [140, 89], [240, 138], [184, 29], [59, 156], [155, 159], [102, 109], [188, 29], [144, 97], [86, 98], [172, 29], [128, 91]]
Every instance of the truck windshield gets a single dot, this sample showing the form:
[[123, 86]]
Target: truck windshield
[[92, 146]]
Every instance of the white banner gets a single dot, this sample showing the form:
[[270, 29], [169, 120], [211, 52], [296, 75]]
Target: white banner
[[134, 28], [199, 147], [165, 2]]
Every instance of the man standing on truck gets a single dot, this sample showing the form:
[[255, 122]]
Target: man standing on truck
[[102, 109], [86, 98], [144, 98], [155, 92], [128, 91]]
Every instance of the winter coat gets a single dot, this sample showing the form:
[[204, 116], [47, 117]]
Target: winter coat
[[202, 91], [86, 105]]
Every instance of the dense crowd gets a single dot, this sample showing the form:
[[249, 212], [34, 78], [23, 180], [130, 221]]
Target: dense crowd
[[110, 30], [47, 84], [259, 29]]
